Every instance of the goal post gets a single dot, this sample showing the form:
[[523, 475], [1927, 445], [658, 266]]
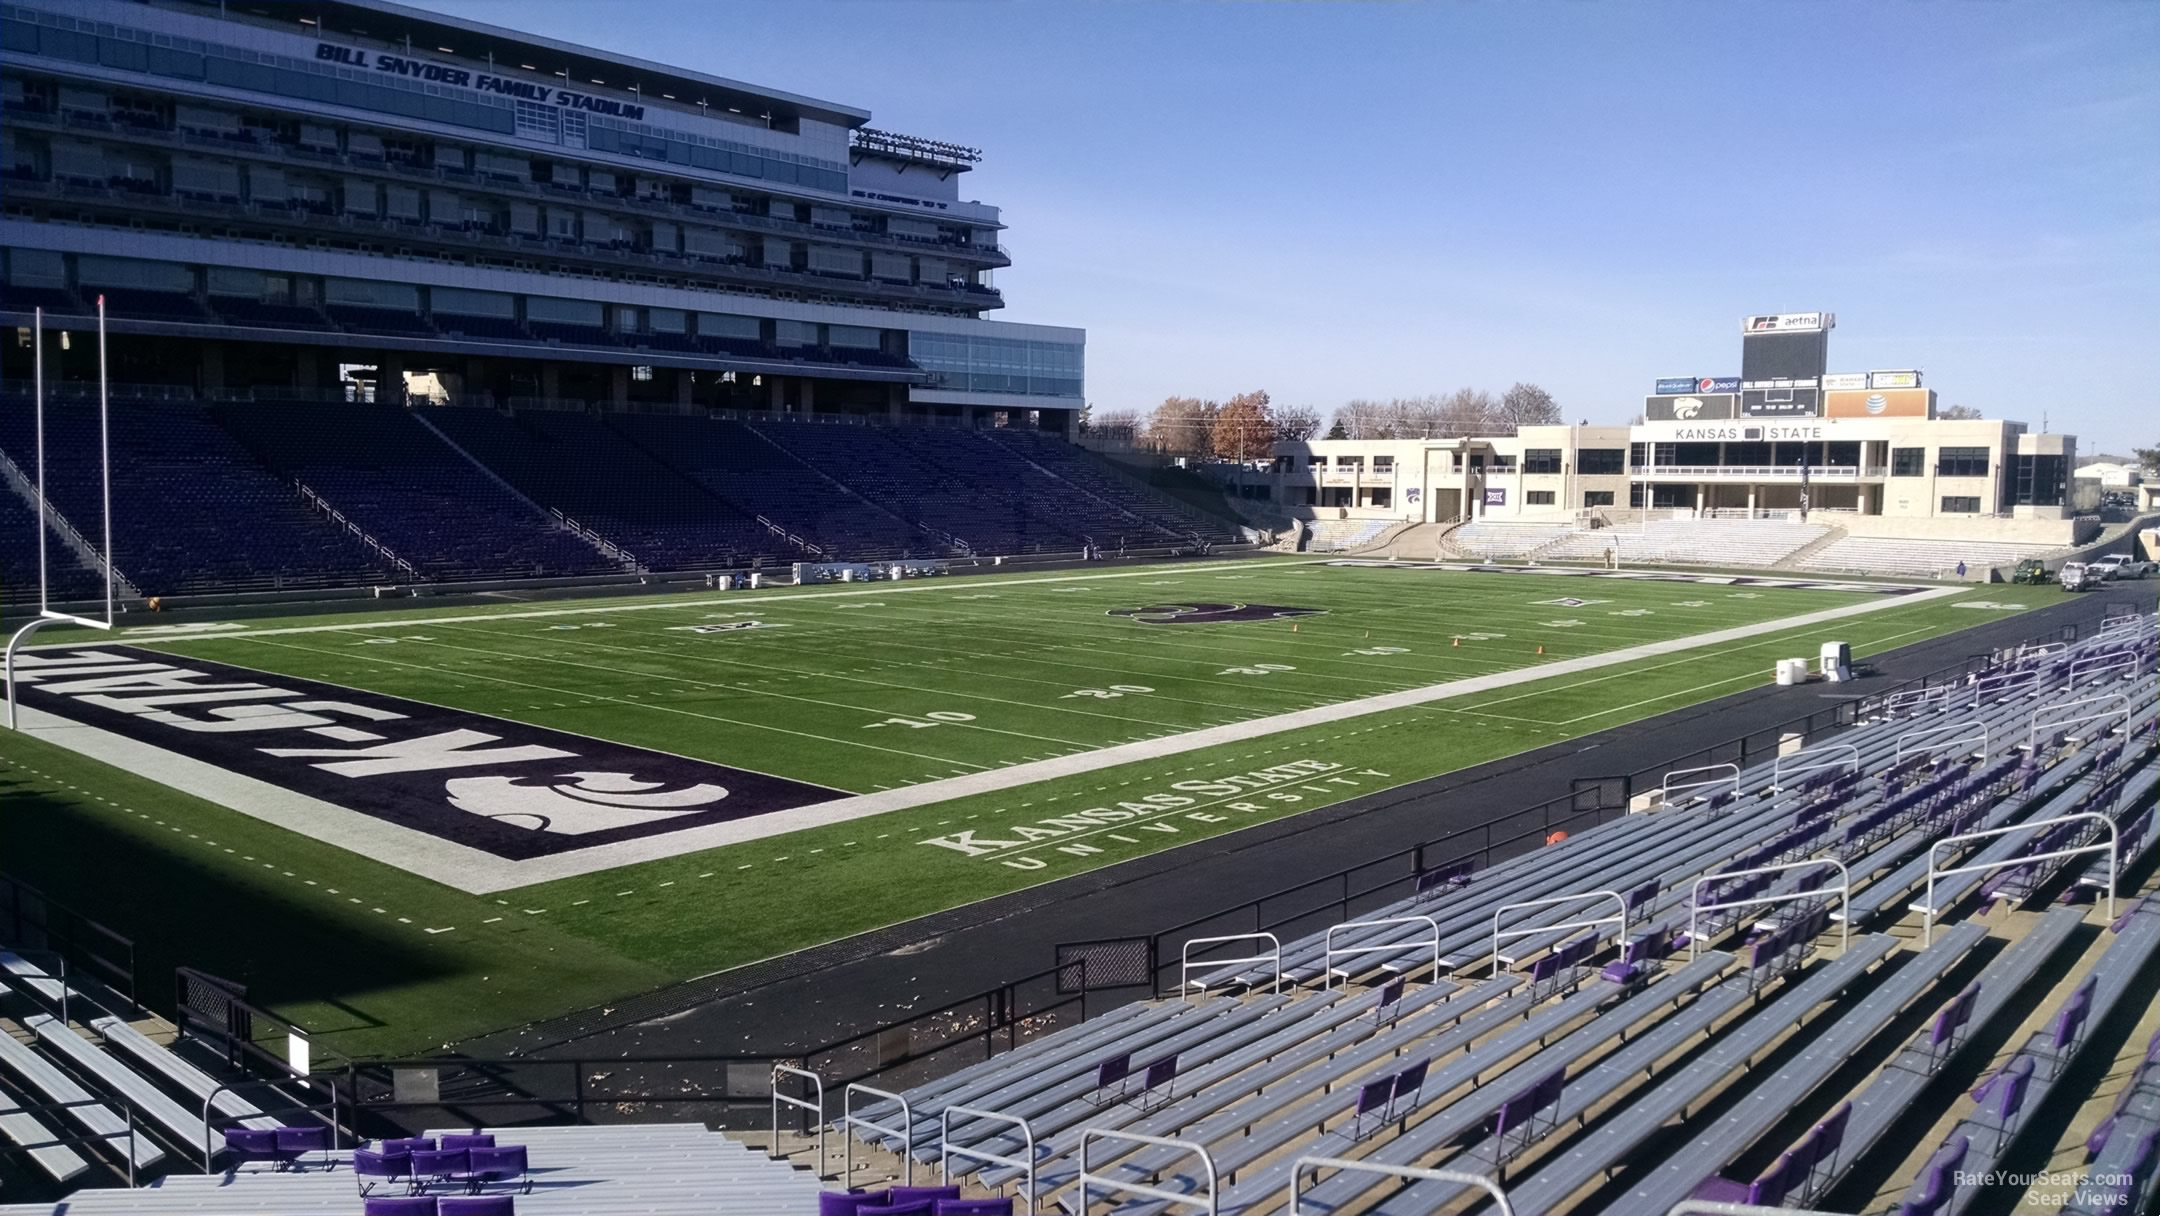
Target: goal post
[[47, 614]]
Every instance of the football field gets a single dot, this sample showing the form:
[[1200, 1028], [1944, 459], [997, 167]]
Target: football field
[[581, 800]]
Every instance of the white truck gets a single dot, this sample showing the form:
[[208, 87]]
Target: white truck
[[2122, 565], [2077, 576]]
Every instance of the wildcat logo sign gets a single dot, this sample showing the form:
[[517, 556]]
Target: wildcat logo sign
[[1208, 614], [504, 788]]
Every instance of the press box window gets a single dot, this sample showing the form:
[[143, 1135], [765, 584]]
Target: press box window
[[1539, 498], [1597, 498], [1961, 462], [1962, 505], [1542, 460], [1600, 462], [1908, 462]]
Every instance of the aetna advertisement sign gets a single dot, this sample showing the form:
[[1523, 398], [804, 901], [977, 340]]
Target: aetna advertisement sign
[[503, 787], [1690, 407], [1780, 403]]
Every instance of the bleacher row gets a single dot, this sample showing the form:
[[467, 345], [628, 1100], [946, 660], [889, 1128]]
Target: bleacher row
[[449, 495], [1735, 543], [1587, 1026]]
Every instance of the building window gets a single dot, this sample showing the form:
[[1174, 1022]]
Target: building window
[[2040, 482], [1961, 462], [1350, 463], [1601, 462], [1908, 462], [1383, 464], [1597, 498], [1503, 463], [1961, 505], [640, 372], [1541, 460], [1538, 498]]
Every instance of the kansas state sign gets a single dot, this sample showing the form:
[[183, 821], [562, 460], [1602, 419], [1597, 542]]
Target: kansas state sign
[[502, 787]]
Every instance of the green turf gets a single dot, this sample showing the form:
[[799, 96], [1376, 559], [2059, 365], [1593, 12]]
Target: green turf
[[814, 696]]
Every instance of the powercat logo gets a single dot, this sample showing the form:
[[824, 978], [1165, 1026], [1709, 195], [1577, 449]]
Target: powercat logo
[[1208, 614], [504, 787]]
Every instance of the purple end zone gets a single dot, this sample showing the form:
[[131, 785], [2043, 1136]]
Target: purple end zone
[[507, 788]]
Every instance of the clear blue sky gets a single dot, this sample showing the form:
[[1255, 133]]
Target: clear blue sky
[[1332, 201]]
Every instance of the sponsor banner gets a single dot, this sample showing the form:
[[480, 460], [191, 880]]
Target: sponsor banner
[[475, 81], [1910, 379], [501, 787], [1845, 380], [1780, 403], [1690, 407], [1671, 385], [1787, 322], [1884, 403]]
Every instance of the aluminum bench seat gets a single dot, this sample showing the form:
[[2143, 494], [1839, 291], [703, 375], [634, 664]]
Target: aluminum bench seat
[[55, 1086], [2126, 957], [1201, 1046], [26, 974], [114, 1075], [60, 1162], [1560, 1176], [1769, 1099], [1883, 1101], [121, 1037], [1199, 1103], [1049, 1049], [1484, 1061], [1289, 1104]]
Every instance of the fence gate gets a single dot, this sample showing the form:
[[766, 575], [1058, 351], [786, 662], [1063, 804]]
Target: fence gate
[[1112, 962], [1601, 793], [214, 1009]]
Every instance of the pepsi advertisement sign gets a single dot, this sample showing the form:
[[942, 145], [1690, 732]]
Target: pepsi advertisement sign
[[1697, 384]]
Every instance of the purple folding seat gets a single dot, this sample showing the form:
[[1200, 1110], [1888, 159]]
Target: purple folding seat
[[847, 1203], [477, 1205], [1002, 1206], [248, 1144], [440, 1165], [506, 1163], [921, 1207], [371, 1167], [1372, 1099], [399, 1205], [468, 1140], [1937, 1182], [294, 1143], [918, 1194], [2002, 1098]]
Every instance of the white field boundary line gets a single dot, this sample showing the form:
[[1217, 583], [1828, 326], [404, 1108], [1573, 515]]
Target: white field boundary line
[[480, 873], [152, 635]]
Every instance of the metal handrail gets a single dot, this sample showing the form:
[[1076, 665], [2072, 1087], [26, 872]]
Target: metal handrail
[[224, 1087], [1843, 890], [2006, 685], [816, 1106], [2113, 848], [2122, 710], [1186, 965], [2100, 664], [1327, 975], [948, 1150], [1503, 909], [849, 1120], [1087, 1180], [1850, 758], [1307, 1164], [1669, 785], [1967, 727]]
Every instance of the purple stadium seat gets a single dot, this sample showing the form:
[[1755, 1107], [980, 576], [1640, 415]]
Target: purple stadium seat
[[1391, 994], [1113, 1070], [399, 1205], [917, 1194], [246, 1144], [1373, 1098], [1937, 1182], [1002, 1206], [1409, 1085], [410, 1144], [440, 1165], [294, 1143], [2002, 1098], [1943, 1034], [371, 1167], [1160, 1081], [507, 1163], [469, 1140], [847, 1203], [477, 1205], [921, 1207]]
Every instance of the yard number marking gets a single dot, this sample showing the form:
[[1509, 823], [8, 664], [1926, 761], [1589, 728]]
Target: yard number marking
[[1256, 669], [1106, 694], [936, 717]]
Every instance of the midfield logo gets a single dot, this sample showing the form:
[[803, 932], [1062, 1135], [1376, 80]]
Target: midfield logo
[[1207, 614]]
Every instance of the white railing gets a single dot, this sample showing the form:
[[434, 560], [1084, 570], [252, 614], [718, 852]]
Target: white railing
[[1186, 963], [1774, 472], [1688, 788], [2119, 708], [947, 1150], [1814, 760], [849, 1121], [1306, 1165], [601, 544], [815, 1105], [1090, 1180], [337, 517], [1619, 922], [1965, 733], [1843, 891], [1327, 977], [2113, 848]]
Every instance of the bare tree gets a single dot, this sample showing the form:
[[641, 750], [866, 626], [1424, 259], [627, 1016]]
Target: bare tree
[[1296, 422], [1114, 424], [1360, 418], [1466, 411], [1958, 413], [1526, 405], [1182, 426]]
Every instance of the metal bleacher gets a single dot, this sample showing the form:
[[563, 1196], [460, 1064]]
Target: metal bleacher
[[1586, 1090]]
